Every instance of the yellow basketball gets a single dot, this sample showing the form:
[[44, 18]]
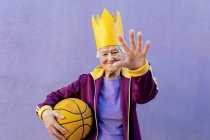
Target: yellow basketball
[[77, 120]]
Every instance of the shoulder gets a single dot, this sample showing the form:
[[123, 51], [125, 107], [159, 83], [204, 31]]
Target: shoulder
[[85, 77]]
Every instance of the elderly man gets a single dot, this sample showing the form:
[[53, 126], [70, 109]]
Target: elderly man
[[112, 89]]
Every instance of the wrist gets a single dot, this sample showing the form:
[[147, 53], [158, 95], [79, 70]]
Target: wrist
[[45, 113], [43, 109], [139, 65], [139, 71]]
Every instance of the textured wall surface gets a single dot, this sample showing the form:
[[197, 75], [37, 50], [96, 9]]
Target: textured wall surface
[[45, 45]]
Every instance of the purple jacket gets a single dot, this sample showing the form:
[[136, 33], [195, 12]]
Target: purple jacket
[[136, 87]]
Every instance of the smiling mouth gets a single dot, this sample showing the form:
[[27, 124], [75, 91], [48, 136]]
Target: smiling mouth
[[112, 62]]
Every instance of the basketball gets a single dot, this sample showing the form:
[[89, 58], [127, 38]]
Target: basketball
[[77, 119]]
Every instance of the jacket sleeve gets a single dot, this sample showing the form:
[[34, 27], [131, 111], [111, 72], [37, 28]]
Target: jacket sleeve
[[70, 91], [143, 85]]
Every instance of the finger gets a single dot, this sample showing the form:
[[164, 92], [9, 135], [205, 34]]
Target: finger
[[57, 134], [147, 46], [120, 64], [132, 40], [59, 128], [123, 44], [49, 130], [51, 133], [139, 40], [57, 115]]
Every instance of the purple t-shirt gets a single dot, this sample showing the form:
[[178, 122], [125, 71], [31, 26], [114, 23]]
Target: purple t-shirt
[[110, 112]]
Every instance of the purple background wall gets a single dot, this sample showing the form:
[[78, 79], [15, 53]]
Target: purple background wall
[[44, 45]]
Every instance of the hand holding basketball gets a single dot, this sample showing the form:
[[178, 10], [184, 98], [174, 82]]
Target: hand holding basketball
[[78, 118], [70, 119], [51, 124]]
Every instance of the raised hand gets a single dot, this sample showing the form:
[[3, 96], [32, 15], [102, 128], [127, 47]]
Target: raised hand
[[135, 54]]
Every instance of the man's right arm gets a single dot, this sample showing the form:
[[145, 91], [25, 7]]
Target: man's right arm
[[70, 91]]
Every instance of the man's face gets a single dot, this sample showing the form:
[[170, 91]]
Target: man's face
[[108, 56]]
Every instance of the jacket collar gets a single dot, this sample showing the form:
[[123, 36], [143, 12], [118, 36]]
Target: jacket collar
[[98, 72]]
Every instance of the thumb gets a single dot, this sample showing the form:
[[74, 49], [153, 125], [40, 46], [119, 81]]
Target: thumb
[[120, 64], [57, 115]]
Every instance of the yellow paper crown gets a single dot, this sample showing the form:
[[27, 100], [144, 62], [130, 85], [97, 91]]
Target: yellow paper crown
[[107, 29]]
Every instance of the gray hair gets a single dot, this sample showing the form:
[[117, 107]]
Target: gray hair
[[119, 47]]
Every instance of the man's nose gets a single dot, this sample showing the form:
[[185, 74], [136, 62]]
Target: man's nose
[[110, 57]]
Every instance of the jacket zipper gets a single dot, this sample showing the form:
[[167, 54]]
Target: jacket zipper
[[95, 112], [129, 107]]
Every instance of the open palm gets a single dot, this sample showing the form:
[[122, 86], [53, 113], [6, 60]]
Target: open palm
[[135, 54]]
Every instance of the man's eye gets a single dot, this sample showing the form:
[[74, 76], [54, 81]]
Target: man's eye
[[114, 52], [104, 54]]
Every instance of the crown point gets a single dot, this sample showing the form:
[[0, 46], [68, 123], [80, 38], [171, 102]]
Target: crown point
[[93, 20], [107, 16], [105, 10], [107, 28], [97, 19]]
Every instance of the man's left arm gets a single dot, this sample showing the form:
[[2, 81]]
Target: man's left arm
[[144, 85]]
